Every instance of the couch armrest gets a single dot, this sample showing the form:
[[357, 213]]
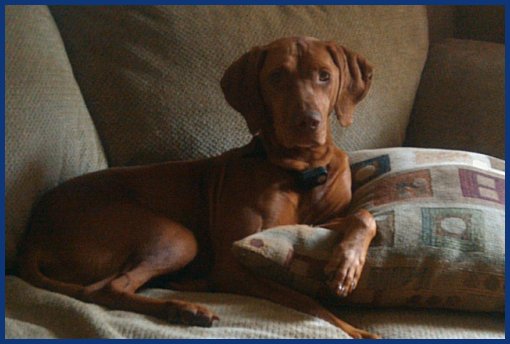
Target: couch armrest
[[460, 103]]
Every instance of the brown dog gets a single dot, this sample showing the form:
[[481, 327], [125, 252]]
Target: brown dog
[[102, 236]]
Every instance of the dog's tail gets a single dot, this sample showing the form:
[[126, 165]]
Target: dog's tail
[[33, 259], [30, 269]]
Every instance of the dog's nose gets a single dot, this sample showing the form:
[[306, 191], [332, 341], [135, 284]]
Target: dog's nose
[[310, 120]]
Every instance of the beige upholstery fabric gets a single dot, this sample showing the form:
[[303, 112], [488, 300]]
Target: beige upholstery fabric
[[461, 100], [49, 134], [64, 317], [441, 22], [426, 324], [36, 313], [482, 23], [150, 75]]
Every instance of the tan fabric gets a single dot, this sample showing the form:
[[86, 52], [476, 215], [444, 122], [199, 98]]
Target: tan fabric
[[35, 313], [482, 23], [426, 324], [49, 134], [441, 22], [150, 75], [461, 100]]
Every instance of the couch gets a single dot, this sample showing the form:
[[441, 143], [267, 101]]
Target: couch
[[89, 88]]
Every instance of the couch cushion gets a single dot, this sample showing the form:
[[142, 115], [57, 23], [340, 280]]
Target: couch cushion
[[441, 232], [66, 317], [150, 75], [49, 135], [240, 317], [460, 103]]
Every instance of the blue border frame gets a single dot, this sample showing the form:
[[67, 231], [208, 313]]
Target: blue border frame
[[252, 2], [507, 121], [2, 218]]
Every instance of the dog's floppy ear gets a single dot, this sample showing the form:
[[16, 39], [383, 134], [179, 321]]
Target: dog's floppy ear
[[240, 85], [355, 80]]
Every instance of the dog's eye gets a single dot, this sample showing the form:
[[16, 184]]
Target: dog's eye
[[324, 75]]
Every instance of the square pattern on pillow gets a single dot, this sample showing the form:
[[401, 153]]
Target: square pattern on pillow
[[441, 233]]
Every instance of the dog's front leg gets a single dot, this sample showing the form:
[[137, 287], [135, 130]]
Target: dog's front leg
[[348, 258]]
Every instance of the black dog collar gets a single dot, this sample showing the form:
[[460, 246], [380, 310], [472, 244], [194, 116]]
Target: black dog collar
[[311, 178]]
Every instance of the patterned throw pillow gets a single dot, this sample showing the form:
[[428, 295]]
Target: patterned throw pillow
[[441, 233]]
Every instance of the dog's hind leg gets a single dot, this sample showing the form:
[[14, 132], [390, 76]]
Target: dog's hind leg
[[120, 293], [95, 262]]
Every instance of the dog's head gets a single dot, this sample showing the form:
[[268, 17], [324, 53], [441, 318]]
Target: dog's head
[[289, 87]]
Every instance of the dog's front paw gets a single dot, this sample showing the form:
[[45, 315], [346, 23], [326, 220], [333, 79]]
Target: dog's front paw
[[344, 270], [348, 258]]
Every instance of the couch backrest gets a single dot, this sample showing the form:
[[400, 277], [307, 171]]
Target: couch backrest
[[150, 78], [49, 135], [150, 75]]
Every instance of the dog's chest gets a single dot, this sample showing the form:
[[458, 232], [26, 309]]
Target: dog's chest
[[255, 196]]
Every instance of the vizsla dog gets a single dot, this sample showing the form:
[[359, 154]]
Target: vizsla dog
[[102, 236]]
